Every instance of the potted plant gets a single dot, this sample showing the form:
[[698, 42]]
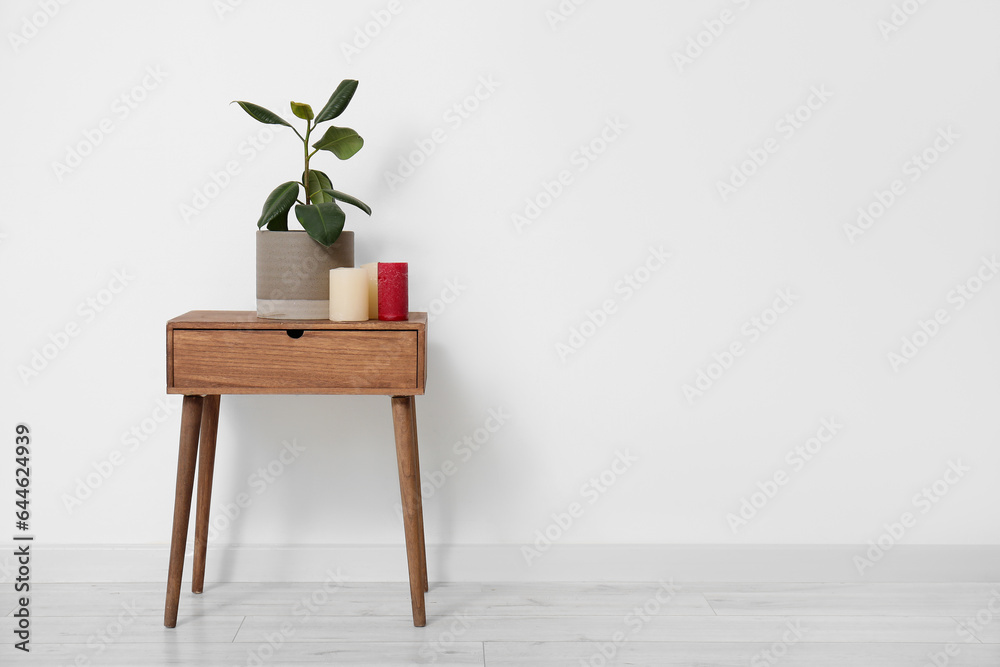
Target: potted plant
[[293, 266]]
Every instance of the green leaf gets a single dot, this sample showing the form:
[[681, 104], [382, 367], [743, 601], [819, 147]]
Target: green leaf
[[279, 224], [262, 114], [319, 183], [341, 141], [303, 111], [338, 101], [323, 222], [277, 205], [348, 199]]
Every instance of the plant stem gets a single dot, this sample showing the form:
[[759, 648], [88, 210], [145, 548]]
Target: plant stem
[[305, 174]]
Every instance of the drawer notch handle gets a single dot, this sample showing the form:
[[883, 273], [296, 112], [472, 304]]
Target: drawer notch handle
[[295, 333]]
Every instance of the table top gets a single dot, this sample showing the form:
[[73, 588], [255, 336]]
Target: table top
[[247, 319]]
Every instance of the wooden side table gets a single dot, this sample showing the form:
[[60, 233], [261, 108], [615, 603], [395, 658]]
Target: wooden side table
[[210, 353]]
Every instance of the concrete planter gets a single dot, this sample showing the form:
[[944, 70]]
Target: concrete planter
[[293, 274]]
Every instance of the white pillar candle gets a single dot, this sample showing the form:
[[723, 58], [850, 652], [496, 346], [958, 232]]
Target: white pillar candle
[[348, 295], [372, 269]]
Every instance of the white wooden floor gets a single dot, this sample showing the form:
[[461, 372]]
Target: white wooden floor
[[815, 625]]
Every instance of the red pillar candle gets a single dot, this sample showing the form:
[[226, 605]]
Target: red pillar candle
[[393, 291]]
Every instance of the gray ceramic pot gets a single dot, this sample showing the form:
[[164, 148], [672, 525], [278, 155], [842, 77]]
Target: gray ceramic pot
[[293, 274]]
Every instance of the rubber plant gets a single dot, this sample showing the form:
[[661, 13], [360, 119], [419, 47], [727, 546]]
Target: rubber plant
[[319, 214]]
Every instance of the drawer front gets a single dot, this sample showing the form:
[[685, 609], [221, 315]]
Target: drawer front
[[261, 360]]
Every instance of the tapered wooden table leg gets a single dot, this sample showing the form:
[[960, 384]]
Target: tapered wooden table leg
[[420, 499], [186, 461], [409, 491], [206, 468]]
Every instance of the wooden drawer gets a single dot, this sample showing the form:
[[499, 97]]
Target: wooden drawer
[[277, 361]]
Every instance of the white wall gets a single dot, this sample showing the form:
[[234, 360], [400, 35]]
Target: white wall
[[681, 131]]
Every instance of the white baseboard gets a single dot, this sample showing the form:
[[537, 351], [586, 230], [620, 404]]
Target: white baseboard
[[497, 563]]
